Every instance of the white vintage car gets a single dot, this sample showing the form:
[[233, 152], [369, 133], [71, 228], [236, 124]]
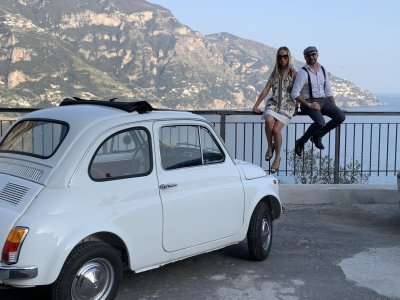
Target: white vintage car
[[91, 188]]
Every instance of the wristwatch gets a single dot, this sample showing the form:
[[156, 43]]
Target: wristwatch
[[309, 105]]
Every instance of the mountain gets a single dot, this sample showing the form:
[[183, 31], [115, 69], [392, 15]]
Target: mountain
[[132, 50]]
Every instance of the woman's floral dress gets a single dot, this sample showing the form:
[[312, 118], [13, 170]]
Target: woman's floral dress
[[280, 105]]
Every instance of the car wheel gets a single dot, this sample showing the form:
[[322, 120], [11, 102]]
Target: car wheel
[[259, 234], [93, 270]]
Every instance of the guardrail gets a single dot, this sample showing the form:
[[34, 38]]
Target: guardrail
[[366, 146]]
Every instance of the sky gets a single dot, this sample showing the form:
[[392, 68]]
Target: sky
[[358, 40]]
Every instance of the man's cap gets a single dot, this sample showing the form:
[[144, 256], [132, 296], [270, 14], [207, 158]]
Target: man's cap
[[310, 49]]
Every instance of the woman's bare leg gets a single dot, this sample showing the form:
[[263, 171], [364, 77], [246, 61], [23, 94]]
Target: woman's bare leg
[[277, 138], [269, 125]]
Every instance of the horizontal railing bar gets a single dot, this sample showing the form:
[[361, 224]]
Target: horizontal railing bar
[[222, 112]]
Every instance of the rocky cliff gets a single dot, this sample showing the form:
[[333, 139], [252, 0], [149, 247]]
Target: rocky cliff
[[132, 50]]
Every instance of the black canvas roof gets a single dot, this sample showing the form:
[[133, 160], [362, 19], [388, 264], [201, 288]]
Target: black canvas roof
[[138, 106]]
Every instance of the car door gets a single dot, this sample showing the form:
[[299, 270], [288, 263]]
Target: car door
[[200, 187]]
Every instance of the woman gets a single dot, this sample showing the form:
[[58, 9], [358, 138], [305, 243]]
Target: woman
[[280, 108]]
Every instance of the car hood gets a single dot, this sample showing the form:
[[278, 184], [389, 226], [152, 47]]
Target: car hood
[[16, 195], [250, 170]]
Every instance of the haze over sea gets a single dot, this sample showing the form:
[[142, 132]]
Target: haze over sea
[[391, 101]]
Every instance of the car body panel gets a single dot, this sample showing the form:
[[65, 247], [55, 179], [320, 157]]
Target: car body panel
[[16, 195], [210, 207], [194, 208]]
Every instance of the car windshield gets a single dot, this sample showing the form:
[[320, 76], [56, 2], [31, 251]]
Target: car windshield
[[40, 138]]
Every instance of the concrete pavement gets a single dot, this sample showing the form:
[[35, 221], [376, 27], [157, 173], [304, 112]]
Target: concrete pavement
[[321, 250]]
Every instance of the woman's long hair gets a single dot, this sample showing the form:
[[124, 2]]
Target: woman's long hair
[[277, 69]]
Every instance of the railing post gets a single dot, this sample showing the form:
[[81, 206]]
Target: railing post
[[337, 156], [223, 124]]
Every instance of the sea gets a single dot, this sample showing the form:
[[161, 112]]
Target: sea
[[385, 135], [391, 103]]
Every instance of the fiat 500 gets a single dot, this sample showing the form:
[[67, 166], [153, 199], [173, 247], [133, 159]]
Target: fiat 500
[[89, 189]]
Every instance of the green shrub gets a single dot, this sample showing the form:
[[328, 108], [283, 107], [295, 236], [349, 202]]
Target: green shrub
[[313, 168]]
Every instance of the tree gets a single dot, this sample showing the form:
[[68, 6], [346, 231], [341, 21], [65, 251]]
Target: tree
[[313, 167]]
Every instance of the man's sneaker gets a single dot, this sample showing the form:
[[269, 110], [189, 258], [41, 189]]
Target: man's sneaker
[[298, 147], [317, 142]]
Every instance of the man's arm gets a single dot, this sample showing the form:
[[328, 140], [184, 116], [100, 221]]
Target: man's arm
[[301, 100], [300, 81], [298, 84]]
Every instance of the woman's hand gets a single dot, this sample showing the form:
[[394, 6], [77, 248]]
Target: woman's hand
[[256, 110]]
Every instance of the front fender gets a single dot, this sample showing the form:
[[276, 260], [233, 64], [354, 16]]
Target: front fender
[[261, 189]]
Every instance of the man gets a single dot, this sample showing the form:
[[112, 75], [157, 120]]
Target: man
[[312, 89]]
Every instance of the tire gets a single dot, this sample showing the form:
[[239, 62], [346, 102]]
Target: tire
[[259, 234], [93, 270]]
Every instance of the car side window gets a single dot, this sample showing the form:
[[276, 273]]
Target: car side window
[[212, 152], [124, 154], [188, 146], [180, 147]]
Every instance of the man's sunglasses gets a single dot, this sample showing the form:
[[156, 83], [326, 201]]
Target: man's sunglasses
[[312, 54]]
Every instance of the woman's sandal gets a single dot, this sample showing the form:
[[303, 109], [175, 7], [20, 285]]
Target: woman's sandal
[[267, 155], [275, 166]]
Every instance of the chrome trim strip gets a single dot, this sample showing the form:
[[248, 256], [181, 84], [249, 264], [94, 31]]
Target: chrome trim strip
[[11, 273]]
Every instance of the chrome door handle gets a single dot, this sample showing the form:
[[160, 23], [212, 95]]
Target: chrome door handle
[[167, 185]]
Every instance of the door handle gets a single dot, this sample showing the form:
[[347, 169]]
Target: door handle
[[167, 185]]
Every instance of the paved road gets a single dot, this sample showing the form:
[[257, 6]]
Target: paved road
[[319, 251]]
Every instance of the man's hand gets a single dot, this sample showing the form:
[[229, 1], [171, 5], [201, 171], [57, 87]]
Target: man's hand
[[296, 110], [315, 105]]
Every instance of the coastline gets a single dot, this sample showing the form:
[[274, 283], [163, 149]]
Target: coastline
[[390, 103]]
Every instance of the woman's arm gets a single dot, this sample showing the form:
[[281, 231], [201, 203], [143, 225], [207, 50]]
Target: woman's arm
[[261, 97]]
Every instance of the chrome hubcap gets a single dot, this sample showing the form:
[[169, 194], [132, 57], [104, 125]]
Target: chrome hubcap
[[93, 281], [265, 233]]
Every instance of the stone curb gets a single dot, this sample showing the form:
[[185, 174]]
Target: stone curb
[[339, 194]]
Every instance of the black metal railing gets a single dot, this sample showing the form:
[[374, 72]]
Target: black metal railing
[[367, 144]]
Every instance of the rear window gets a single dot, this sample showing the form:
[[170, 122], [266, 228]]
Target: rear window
[[40, 138]]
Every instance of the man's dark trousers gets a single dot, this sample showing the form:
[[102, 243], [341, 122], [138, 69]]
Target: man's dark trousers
[[319, 128]]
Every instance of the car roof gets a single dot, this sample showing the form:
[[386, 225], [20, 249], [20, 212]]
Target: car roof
[[87, 122], [85, 115]]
